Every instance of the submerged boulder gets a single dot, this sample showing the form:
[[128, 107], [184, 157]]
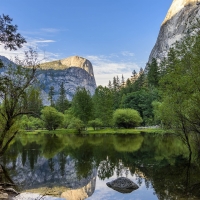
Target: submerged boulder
[[123, 185]]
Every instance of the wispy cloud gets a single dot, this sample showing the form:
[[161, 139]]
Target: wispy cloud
[[50, 30], [36, 44], [44, 41], [105, 68], [127, 53]]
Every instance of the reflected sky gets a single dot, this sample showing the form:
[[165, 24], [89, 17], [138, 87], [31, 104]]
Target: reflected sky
[[84, 164], [106, 193]]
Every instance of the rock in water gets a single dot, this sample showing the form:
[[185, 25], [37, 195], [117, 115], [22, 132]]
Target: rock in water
[[123, 185], [73, 72], [176, 25]]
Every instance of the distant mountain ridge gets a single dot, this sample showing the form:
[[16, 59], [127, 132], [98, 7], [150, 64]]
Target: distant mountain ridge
[[73, 72]]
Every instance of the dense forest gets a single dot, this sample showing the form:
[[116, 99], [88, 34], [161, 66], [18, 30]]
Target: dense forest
[[165, 94]]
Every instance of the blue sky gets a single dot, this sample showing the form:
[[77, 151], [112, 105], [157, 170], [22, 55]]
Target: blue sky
[[117, 36]]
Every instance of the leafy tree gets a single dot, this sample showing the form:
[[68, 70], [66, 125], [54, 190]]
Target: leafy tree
[[142, 102], [95, 123], [33, 100], [14, 84], [68, 116], [52, 118], [82, 105], [77, 124], [103, 105], [180, 88], [127, 118], [31, 123], [8, 34]]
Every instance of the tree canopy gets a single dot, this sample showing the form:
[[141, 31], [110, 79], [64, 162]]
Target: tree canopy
[[8, 34]]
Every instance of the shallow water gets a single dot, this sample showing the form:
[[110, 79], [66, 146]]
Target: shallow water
[[51, 164]]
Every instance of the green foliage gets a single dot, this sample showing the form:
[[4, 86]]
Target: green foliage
[[180, 85], [77, 124], [68, 116], [9, 37], [153, 73], [31, 123], [103, 105], [142, 102], [140, 83], [127, 118], [95, 123], [62, 103], [51, 96], [33, 101], [180, 109], [14, 87], [156, 111], [82, 105], [52, 118]]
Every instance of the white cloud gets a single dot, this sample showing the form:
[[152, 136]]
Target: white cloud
[[50, 30], [105, 68], [44, 41], [127, 53], [43, 56]]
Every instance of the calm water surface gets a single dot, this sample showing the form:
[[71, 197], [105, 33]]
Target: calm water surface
[[51, 164]]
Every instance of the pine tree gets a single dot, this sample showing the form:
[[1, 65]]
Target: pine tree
[[122, 81], [118, 83], [114, 84], [103, 104], [140, 82], [153, 73], [110, 85], [62, 103], [82, 105], [51, 94], [134, 76]]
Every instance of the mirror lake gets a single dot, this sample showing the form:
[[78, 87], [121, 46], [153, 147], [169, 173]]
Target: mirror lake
[[79, 166]]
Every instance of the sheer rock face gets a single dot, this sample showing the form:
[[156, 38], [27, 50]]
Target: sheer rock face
[[41, 176], [73, 72], [175, 26]]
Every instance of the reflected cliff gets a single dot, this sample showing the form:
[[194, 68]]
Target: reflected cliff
[[69, 165]]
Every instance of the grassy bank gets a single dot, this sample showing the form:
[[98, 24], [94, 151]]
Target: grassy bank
[[90, 131]]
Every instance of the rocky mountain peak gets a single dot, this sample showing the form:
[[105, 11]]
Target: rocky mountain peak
[[176, 6], [72, 72], [73, 61]]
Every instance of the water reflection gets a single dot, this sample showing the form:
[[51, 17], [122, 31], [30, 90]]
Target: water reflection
[[161, 164]]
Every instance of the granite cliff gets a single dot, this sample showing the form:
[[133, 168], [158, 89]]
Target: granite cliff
[[73, 72], [177, 23], [41, 179]]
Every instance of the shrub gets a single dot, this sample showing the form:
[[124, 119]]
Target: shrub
[[95, 123], [52, 118], [127, 118], [77, 124]]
